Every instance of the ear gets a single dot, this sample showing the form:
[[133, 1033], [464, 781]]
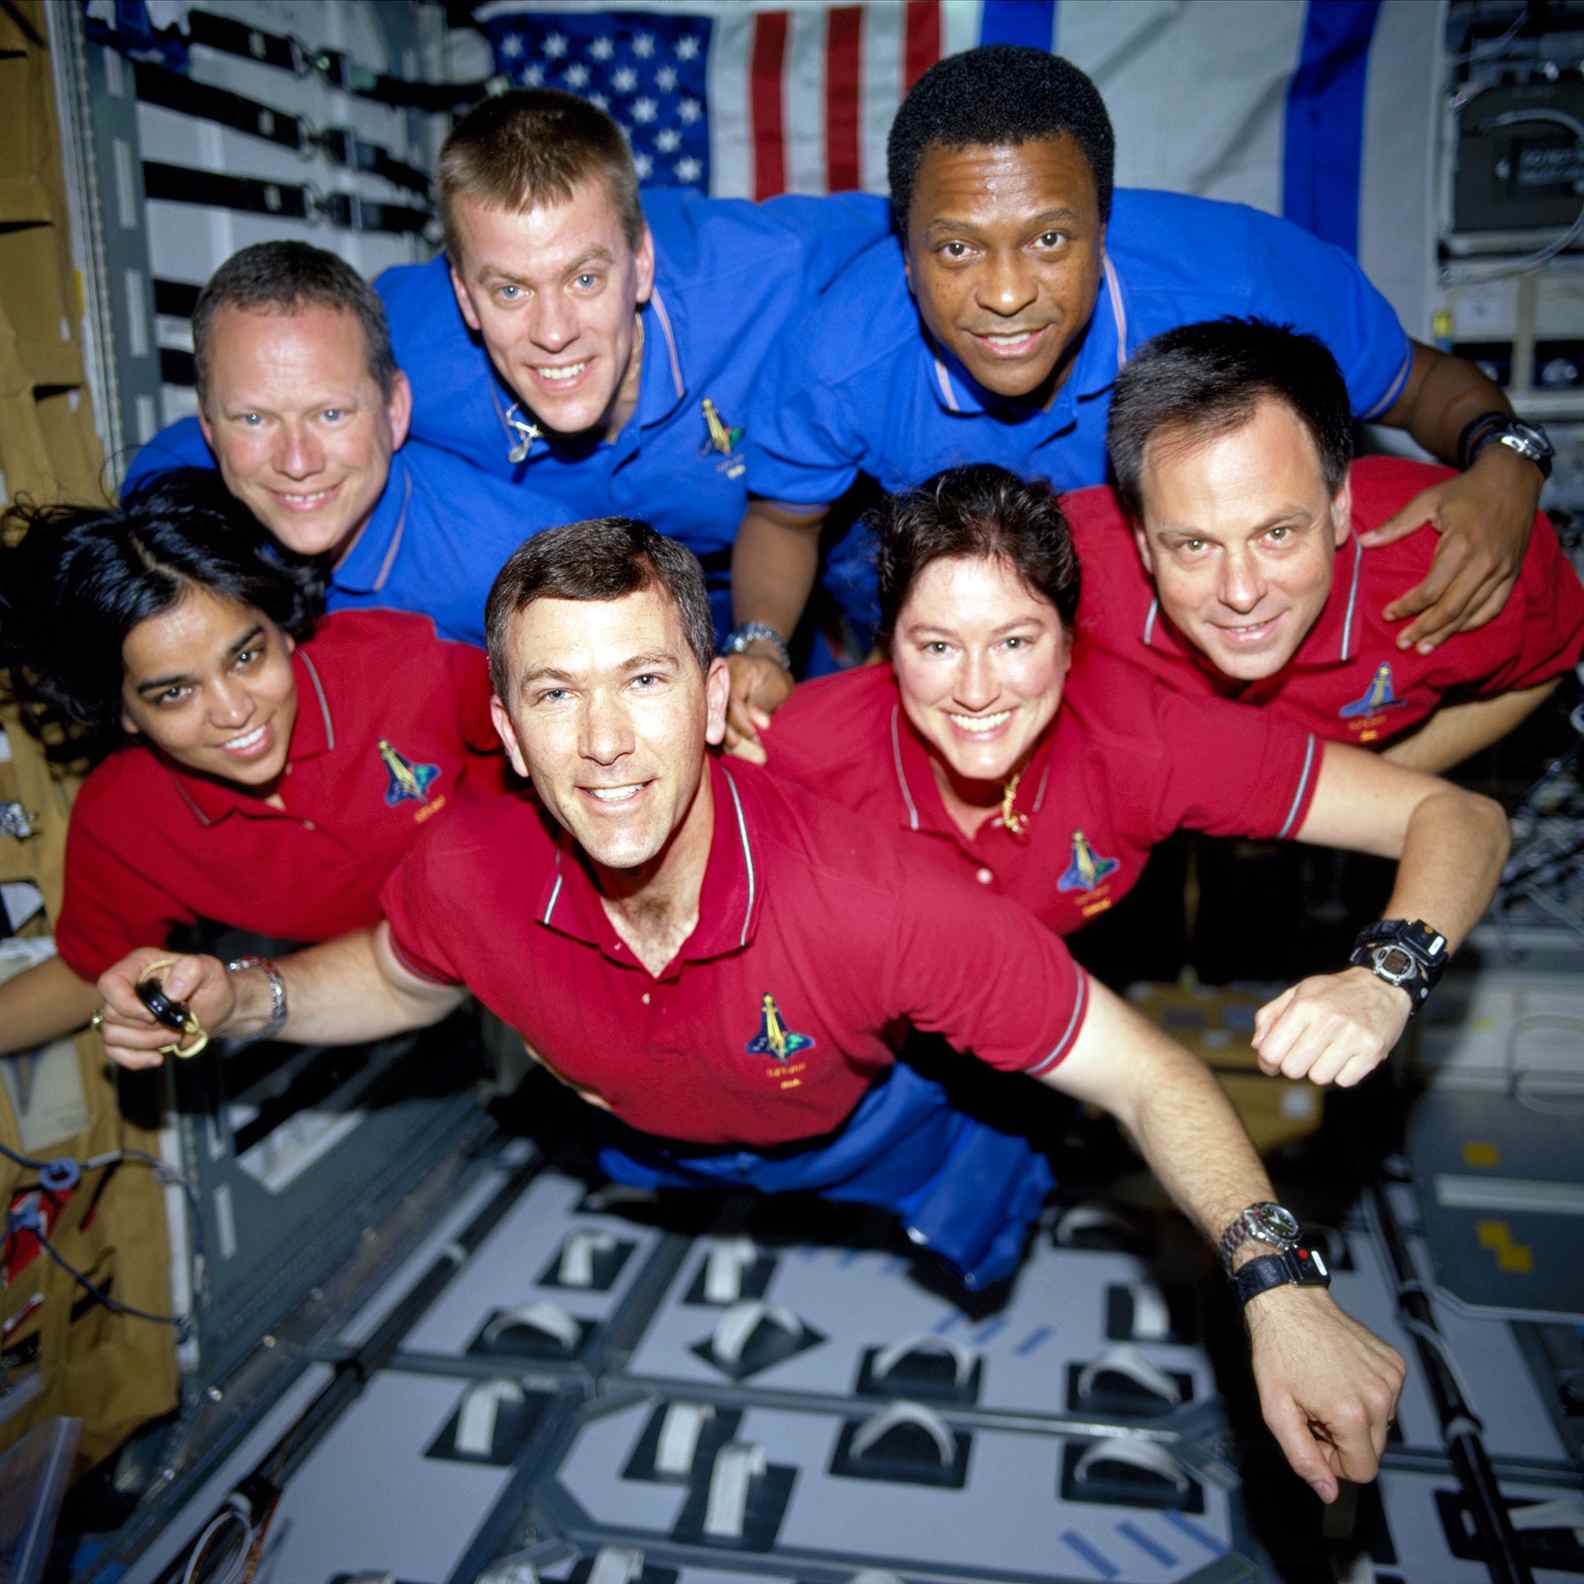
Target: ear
[[464, 302], [508, 736], [1342, 512], [1146, 555], [398, 409], [717, 693], [290, 642], [128, 725], [205, 427], [644, 261]]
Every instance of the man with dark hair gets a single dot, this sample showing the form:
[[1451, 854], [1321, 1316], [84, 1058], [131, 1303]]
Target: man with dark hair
[[720, 961], [992, 329], [1231, 442], [303, 409], [595, 349]]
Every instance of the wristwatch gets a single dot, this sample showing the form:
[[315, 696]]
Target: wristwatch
[[1529, 440], [1261, 1223], [1296, 1266], [738, 639], [1410, 956]]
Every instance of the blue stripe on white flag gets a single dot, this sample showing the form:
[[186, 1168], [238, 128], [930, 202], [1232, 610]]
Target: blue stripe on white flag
[[1031, 22], [1323, 148]]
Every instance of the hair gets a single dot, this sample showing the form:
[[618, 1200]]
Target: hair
[[535, 146], [604, 558], [997, 96], [80, 578], [1201, 381], [286, 277], [978, 512]]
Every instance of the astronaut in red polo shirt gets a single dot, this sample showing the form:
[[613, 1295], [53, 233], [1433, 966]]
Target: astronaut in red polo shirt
[[720, 960], [1254, 574]]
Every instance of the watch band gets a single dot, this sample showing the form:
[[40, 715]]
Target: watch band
[[1420, 956], [738, 639], [277, 1017], [1529, 440], [1265, 1222], [1290, 1267]]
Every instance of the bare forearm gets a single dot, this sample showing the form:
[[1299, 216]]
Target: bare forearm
[[340, 993], [774, 562], [1459, 731], [1442, 395], [43, 1003], [1452, 858]]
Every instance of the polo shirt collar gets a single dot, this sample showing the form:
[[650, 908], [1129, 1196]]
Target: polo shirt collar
[[314, 733], [366, 567], [730, 898], [1332, 641], [1099, 361], [923, 808]]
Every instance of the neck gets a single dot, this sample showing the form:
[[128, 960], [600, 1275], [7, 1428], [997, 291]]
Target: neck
[[626, 403]]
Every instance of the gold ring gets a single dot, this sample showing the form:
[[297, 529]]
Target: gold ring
[[96, 1022]]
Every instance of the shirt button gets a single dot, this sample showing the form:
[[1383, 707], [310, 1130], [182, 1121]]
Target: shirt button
[[985, 877], [646, 998]]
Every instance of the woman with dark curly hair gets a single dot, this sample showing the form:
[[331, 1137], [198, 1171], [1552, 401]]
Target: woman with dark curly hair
[[255, 764]]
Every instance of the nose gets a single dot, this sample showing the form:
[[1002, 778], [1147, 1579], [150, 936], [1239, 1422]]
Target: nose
[[606, 733], [1242, 581], [975, 685], [230, 703], [553, 322], [1008, 285], [298, 454]]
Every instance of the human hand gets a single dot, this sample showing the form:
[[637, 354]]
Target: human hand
[[1328, 1387], [1484, 518], [1331, 1028], [759, 687], [131, 1035]]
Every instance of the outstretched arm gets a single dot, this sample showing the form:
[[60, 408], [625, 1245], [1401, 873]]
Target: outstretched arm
[[1483, 516], [774, 562], [1337, 1028], [341, 993], [42, 1003], [1328, 1387]]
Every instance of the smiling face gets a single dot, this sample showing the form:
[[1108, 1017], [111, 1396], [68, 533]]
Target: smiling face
[[980, 660], [1240, 535], [209, 684], [554, 292], [301, 429], [1004, 250], [609, 714]]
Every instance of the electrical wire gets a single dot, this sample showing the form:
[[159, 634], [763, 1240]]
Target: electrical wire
[[234, 1571], [1490, 47]]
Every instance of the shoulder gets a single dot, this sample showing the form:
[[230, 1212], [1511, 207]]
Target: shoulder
[[864, 321], [488, 844], [1381, 486], [383, 641], [127, 792], [833, 733], [410, 287], [847, 698]]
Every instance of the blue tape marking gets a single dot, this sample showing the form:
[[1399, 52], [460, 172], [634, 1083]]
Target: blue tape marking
[[1130, 1531], [1195, 1532], [1035, 1338], [995, 1328], [1100, 1563]]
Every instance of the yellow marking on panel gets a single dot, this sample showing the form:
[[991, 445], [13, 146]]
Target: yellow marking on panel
[[1511, 1256], [1478, 1153]]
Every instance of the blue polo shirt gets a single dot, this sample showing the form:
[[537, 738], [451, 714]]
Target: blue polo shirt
[[439, 533], [730, 276], [860, 384]]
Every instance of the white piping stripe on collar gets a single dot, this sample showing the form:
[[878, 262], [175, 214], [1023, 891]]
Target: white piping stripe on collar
[[1301, 789], [1149, 621], [896, 759], [555, 891], [1118, 311], [396, 538], [943, 379], [1039, 797], [324, 703], [747, 850], [1080, 1001], [1347, 622], [657, 302]]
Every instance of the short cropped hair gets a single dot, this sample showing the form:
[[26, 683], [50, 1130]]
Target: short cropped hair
[[286, 277], [997, 96], [75, 581], [1200, 381], [977, 512], [603, 558], [535, 146]]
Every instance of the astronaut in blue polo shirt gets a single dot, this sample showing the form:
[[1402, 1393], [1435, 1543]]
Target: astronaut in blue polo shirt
[[991, 327], [305, 413], [601, 352]]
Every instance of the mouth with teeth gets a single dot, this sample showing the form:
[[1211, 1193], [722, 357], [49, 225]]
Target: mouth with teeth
[[563, 376], [614, 797], [1246, 635], [308, 502], [250, 745], [979, 725], [1008, 343]]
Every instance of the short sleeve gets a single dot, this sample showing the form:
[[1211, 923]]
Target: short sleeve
[[414, 907], [1544, 618]]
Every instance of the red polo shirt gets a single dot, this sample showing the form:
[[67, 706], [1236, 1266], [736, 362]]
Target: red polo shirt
[[388, 718], [1124, 764], [1348, 680], [816, 936]]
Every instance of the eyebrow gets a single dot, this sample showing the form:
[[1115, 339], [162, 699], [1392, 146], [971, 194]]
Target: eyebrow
[[1062, 216], [159, 684], [913, 629], [489, 272], [642, 662]]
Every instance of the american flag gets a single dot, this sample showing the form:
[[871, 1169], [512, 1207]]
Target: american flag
[[734, 99]]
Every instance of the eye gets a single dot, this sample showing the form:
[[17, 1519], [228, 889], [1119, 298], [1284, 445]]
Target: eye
[[508, 293], [1051, 239], [954, 252], [251, 419], [550, 695], [333, 414], [647, 681], [1017, 642], [587, 281], [935, 646], [249, 656], [171, 695], [1279, 534]]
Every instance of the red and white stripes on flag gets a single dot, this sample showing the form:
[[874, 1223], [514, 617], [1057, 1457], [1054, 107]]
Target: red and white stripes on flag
[[822, 88]]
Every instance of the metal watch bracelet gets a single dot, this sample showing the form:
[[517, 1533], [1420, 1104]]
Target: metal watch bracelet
[[277, 1017]]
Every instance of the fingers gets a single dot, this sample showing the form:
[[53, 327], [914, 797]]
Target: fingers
[[1398, 526], [132, 1037], [1313, 1460], [1329, 1028], [742, 734]]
